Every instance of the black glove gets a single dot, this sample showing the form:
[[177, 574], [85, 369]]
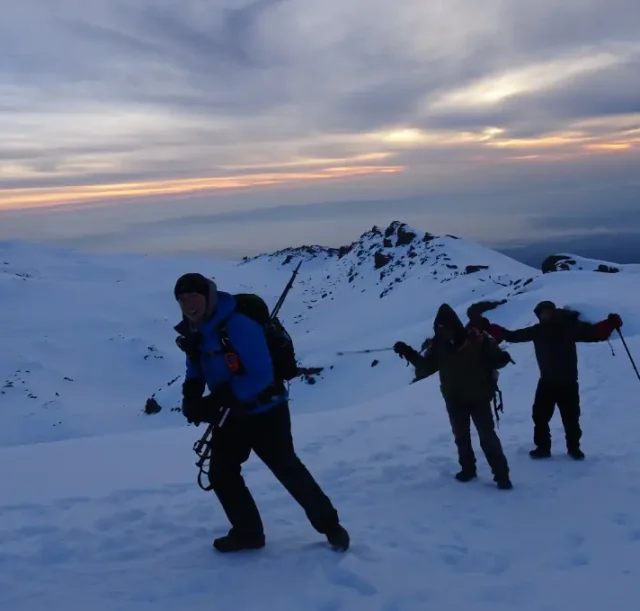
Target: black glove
[[190, 345], [192, 410], [193, 388], [401, 348], [211, 408]]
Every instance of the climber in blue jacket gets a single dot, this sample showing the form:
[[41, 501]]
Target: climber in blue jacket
[[241, 377]]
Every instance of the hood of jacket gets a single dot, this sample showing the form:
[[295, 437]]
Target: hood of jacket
[[447, 318]]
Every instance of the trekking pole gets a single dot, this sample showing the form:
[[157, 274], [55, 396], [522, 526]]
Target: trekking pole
[[624, 343], [367, 351]]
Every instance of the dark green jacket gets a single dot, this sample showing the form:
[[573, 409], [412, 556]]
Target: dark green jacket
[[466, 373]]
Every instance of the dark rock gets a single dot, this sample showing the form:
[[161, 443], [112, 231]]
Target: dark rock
[[472, 269], [389, 231], [374, 362], [451, 266], [380, 259], [607, 269], [404, 237], [308, 374], [556, 263], [152, 406], [344, 250], [387, 243]]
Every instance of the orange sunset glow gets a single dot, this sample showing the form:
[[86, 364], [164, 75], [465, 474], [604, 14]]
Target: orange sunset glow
[[196, 108]]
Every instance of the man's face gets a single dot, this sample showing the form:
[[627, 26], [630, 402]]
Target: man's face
[[445, 332], [193, 306], [545, 315]]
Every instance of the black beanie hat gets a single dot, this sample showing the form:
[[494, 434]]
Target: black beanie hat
[[542, 306], [192, 283]]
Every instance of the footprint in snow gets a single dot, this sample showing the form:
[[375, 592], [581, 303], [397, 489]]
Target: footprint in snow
[[340, 576], [117, 521]]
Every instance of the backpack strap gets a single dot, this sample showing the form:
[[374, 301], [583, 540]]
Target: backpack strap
[[230, 355]]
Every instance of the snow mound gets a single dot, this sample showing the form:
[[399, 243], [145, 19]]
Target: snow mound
[[569, 262]]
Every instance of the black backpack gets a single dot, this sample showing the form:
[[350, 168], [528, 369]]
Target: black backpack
[[494, 375], [278, 339]]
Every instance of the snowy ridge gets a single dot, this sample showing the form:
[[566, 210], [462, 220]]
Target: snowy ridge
[[569, 262], [99, 507], [385, 258]]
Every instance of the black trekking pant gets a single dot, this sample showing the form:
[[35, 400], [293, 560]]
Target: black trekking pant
[[566, 395], [269, 436], [460, 417]]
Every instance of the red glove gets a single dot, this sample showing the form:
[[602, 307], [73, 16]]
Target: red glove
[[607, 326], [496, 331], [614, 321]]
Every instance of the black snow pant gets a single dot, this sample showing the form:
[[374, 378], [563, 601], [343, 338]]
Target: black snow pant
[[269, 436], [460, 416], [566, 395]]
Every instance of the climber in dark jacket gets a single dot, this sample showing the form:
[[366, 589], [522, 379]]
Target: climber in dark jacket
[[554, 340], [466, 360]]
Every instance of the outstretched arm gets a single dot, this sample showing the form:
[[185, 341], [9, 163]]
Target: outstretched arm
[[526, 334], [425, 365], [599, 332]]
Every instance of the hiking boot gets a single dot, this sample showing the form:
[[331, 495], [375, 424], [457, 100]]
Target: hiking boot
[[540, 453], [338, 538], [504, 483], [234, 542], [576, 453], [466, 475]]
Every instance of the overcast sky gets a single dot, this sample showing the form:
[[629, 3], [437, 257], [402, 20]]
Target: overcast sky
[[240, 125]]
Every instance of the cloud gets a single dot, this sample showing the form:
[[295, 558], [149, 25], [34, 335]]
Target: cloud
[[110, 94]]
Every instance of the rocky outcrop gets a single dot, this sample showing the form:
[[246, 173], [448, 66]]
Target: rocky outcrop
[[380, 259], [472, 269], [565, 263], [555, 263]]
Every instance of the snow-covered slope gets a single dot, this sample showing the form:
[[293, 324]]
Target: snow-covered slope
[[99, 506], [569, 262]]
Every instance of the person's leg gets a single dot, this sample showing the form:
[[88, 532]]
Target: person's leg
[[460, 420], [272, 441], [569, 407], [490, 443], [230, 448], [542, 412]]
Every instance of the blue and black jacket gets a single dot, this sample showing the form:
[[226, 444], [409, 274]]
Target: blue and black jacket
[[253, 386]]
